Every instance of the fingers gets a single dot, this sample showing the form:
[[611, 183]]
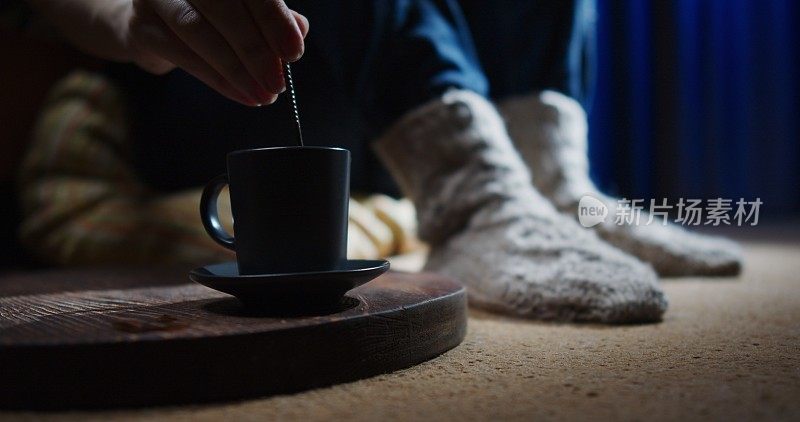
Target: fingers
[[161, 50], [237, 47], [153, 63], [194, 30], [279, 26], [233, 21], [302, 23]]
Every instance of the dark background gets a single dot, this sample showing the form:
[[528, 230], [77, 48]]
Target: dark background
[[699, 99]]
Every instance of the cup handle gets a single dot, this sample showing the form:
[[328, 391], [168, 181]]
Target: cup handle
[[209, 213]]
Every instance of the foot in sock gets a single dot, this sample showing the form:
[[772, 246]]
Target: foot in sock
[[550, 132], [490, 229]]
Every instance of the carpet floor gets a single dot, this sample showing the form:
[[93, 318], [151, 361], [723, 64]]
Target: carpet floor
[[728, 348]]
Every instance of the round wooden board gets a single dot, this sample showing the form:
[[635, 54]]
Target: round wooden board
[[111, 338]]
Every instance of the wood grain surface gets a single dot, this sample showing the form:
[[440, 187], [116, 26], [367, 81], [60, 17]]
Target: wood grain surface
[[114, 337]]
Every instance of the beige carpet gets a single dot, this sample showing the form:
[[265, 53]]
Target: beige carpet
[[728, 349]]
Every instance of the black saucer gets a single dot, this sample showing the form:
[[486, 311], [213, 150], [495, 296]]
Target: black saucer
[[289, 291]]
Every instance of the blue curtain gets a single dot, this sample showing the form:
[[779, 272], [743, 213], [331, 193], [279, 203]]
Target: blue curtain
[[699, 99]]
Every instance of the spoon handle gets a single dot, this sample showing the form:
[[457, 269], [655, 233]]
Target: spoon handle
[[287, 73]]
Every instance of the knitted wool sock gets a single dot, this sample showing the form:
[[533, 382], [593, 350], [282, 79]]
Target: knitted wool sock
[[550, 132], [490, 229]]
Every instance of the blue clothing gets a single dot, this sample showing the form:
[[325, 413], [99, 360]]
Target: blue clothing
[[530, 45], [365, 65]]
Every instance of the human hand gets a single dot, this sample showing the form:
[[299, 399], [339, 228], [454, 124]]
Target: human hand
[[234, 46]]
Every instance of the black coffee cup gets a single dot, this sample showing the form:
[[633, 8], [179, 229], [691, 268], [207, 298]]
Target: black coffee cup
[[289, 208]]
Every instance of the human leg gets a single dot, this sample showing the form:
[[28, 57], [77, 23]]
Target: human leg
[[550, 131], [540, 64], [489, 228]]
